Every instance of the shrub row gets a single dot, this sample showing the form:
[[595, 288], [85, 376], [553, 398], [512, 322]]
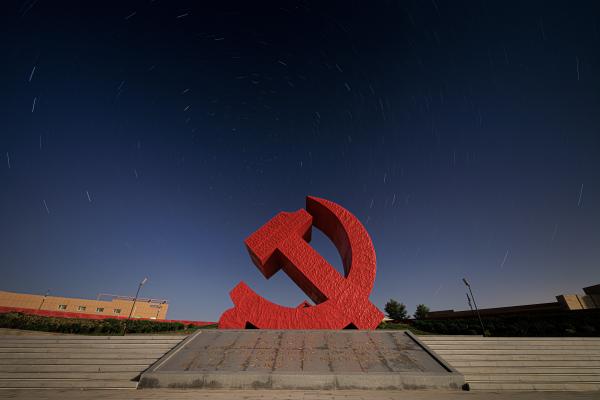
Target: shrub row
[[574, 323], [15, 320]]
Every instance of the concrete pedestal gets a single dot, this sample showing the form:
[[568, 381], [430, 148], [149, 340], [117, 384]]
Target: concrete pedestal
[[273, 359]]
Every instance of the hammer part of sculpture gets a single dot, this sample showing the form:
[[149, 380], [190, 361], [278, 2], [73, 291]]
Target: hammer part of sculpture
[[282, 243]]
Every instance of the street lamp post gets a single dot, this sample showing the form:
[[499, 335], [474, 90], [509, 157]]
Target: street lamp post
[[470, 304], [134, 301], [44, 299], [475, 304]]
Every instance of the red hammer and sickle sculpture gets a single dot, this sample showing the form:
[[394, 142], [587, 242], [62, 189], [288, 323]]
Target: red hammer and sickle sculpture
[[282, 243]]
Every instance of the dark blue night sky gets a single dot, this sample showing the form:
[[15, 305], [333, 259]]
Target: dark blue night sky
[[150, 138]]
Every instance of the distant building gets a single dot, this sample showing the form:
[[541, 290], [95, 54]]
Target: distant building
[[564, 302], [114, 306], [591, 299]]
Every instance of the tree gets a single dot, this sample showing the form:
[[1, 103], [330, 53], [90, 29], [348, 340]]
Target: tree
[[395, 310], [421, 312]]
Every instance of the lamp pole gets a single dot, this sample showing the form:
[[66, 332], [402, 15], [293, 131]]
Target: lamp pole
[[475, 304], [44, 299], [470, 305], [134, 301]]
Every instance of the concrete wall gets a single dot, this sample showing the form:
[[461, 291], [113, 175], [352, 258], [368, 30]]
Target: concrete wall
[[115, 307]]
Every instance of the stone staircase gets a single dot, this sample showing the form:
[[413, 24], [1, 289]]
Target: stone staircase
[[512, 363], [78, 361]]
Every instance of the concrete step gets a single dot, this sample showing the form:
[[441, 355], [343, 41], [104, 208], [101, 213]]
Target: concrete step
[[448, 337], [99, 347], [88, 338], [500, 340], [552, 378], [73, 368], [99, 354], [578, 339], [524, 363], [486, 346], [92, 337], [79, 361], [520, 386], [66, 384], [115, 344], [459, 338], [590, 352], [529, 370], [86, 362], [67, 375], [516, 357]]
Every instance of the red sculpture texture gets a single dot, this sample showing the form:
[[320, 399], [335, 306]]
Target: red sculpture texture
[[282, 243]]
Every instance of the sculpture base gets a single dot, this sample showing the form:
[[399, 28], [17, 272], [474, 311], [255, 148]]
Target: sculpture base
[[273, 359]]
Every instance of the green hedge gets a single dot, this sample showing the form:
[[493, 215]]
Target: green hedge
[[401, 326], [15, 320], [572, 323]]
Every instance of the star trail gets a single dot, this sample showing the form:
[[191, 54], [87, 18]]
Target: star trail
[[150, 138]]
